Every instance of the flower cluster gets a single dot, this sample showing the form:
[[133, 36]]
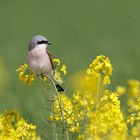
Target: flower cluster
[[25, 74], [101, 67], [93, 106], [13, 127], [133, 92], [107, 121], [133, 101], [70, 111], [120, 90], [92, 112], [60, 70], [135, 112], [135, 135]]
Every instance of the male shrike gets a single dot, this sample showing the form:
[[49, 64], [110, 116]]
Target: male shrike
[[39, 59]]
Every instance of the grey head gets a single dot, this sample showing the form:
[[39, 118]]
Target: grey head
[[37, 40]]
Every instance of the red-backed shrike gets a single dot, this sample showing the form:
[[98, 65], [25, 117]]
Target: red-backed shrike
[[39, 59]]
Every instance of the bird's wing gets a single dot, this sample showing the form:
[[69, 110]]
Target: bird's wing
[[50, 57]]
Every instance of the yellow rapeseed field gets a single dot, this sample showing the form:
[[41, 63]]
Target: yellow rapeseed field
[[92, 112]]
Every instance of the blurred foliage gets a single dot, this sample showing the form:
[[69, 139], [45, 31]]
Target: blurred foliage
[[79, 30]]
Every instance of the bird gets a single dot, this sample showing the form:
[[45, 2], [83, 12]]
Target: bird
[[39, 60]]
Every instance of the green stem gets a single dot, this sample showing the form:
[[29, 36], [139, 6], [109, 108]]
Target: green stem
[[61, 110], [55, 136]]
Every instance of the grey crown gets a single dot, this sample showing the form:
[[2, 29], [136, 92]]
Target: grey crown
[[34, 41]]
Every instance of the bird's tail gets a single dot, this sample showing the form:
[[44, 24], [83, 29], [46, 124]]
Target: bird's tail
[[59, 88], [57, 85]]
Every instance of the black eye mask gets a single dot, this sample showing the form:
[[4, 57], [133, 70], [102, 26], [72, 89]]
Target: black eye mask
[[42, 42]]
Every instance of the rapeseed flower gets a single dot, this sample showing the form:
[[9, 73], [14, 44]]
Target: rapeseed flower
[[107, 121], [103, 115], [133, 93], [56, 61], [60, 70], [63, 69], [121, 90], [25, 74], [135, 131], [101, 67], [13, 127], [71, 114], [92, 112]]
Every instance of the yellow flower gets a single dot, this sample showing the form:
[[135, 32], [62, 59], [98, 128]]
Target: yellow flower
[[74, 128], [22, 67], [44, 78], [66, 107], [120, 90], [64, 69], [95, 112], [56, 61], [60, 71], [72, 113], [107, 121], [58, 77], [135, 131], [131, 119], [101, 66], [25, 75], [134, 88], [13, 127]]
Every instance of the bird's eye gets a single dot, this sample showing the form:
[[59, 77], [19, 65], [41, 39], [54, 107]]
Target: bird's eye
[[42, 42]]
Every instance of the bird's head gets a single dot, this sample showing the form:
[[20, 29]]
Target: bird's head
[[38, 40]]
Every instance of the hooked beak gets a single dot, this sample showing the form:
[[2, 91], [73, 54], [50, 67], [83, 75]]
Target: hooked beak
[[49, 43]]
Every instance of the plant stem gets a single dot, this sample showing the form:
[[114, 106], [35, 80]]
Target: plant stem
[[55, 136], [63, 119], [61, 110]]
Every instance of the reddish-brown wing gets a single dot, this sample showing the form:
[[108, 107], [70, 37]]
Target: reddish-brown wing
[[50, 57]]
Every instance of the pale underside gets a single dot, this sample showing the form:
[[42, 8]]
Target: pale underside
[[38, 60]]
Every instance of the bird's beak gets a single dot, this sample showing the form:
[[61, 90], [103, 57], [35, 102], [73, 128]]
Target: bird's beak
[[49, 43]]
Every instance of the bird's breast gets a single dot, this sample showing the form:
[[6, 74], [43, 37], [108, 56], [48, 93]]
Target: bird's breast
[[39, 61]]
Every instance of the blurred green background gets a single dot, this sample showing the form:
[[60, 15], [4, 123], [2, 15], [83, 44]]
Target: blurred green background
[[80, 30]]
